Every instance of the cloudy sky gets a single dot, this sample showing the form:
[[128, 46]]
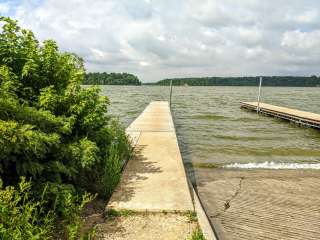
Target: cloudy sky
[[156, 39]]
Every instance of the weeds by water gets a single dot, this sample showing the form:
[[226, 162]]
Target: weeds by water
[[192, 216], [119, 213], [197, 235]]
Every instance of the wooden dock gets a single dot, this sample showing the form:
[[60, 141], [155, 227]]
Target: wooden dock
[[300, 117]]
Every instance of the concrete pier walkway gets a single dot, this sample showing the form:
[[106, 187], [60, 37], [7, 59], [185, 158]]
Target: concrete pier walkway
[[154, 180]]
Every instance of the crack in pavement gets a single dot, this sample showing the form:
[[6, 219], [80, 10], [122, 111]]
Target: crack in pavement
[[227, 203]]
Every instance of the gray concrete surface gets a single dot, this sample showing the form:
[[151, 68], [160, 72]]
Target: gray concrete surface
[[262, 204], [154, 180]]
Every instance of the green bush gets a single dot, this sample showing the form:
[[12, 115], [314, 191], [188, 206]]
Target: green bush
[[20, 216], [51, 129]]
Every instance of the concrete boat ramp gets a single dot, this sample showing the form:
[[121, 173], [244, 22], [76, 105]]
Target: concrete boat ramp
[[153, 199]]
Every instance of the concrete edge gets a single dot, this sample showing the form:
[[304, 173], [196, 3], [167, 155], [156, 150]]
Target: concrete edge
[[203, 220], [210, 231]]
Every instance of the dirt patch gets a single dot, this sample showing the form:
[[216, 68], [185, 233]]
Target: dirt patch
[[146, 226]]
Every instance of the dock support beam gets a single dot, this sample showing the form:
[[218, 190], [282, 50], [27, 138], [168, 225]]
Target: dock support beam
[[170, 93], [259, 95]]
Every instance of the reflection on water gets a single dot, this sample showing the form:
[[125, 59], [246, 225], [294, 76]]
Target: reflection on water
[[212, 128]]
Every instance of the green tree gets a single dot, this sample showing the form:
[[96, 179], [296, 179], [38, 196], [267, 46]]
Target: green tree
[[51, 129], [104, 78]]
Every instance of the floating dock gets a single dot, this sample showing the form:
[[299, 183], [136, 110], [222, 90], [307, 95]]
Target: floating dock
[[300, 117]]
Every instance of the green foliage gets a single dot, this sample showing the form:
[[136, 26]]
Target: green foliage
[[192, 216], [111, 213], [104, 78], [287, 81], [21, 217], [53, 130], [197, 235], [71, 214]]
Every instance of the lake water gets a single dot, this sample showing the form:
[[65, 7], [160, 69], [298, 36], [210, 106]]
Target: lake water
[[212, 128]]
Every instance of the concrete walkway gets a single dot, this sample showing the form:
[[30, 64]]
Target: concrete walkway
[[154, 180]]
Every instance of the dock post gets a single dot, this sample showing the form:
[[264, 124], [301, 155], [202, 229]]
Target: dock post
[[170, 92], [259, 95]]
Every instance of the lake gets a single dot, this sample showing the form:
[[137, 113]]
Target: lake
[[212, 128], [257, 202]]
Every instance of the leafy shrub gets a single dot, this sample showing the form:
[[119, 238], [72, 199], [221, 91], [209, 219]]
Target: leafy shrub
[[51, 129], [20, 216], [71, 214]]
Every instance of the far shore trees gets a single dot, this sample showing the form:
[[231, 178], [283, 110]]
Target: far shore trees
[[280, 81], [103, 78]]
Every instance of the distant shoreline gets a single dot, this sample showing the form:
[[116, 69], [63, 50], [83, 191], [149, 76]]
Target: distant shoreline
[[283, 81], [154, 84]]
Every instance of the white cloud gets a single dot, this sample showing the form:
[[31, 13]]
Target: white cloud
[[256, 53], [156, 39], [161, 38], [98, 53], [302, 40], [144, 64], [309, 16], [250, 35]]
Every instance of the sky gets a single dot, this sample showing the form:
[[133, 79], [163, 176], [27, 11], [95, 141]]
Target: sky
[[157, 39]]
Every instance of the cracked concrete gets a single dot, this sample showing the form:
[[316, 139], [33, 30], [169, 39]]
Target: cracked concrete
[[224, 204], [227, 204]]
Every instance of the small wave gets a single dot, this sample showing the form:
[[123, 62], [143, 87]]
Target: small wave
[[208, 117], [273, 165], [133, 112], [241, 138], [244, 119]]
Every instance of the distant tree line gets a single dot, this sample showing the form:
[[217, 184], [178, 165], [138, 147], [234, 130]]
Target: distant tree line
[[97, 78], [287, 81]]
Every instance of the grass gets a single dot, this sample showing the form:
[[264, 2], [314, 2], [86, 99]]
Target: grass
[[120, 213], [192, 216], [197, 235]]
